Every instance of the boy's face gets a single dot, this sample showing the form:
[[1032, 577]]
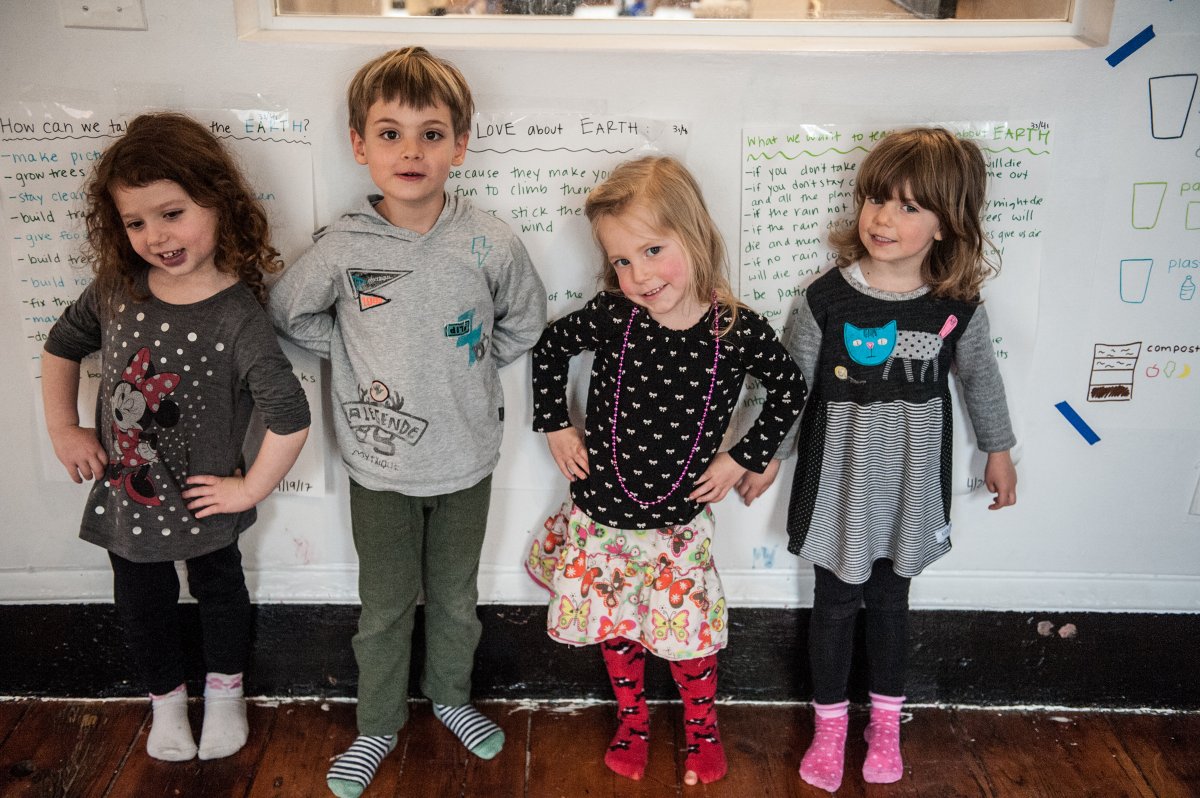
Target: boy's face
[[409, 152]]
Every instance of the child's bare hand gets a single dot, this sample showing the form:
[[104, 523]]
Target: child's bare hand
[[79, 450], [721, 475], [753, 485], [1000, 477], [212, 495], [569, 452]]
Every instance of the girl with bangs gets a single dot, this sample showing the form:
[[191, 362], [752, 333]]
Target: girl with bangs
[[870, 502]]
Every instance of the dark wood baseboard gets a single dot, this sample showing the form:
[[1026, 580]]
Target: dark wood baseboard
[[1114, 660]]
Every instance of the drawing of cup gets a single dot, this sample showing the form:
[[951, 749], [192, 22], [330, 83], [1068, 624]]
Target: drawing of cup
[[1170, 103], [1147, 202], [1135, 279]]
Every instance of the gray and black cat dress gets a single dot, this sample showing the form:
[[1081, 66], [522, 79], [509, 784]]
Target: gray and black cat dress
[[875, 443]]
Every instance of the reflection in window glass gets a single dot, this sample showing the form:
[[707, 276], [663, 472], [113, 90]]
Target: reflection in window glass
[[693, 9]]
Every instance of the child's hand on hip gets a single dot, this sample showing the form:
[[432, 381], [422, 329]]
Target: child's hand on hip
[[721, 475], [569, 453], [212, 495]]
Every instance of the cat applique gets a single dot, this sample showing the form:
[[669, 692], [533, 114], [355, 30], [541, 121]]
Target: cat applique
[[870, 346]]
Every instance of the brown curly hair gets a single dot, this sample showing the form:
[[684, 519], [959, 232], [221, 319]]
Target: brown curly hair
[[943, 174], [663, 188], [175, 147]]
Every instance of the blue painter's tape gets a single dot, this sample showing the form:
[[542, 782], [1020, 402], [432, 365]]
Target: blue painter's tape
[[1130, 47], [1078, 423]]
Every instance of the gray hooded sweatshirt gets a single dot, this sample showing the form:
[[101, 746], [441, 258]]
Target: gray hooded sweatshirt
[[416, 327]]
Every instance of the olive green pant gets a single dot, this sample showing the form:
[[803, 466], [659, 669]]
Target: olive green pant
[[408, 545]]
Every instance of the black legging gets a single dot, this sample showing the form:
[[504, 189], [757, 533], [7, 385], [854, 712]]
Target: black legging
[[831, 632], [147, 599]]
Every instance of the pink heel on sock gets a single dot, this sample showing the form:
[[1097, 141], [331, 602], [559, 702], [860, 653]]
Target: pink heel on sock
[[825, 758]]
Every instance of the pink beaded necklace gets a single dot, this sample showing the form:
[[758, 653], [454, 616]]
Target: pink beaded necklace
[[700, 431]]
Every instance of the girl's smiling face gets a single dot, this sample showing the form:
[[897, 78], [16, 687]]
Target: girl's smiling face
[[168, 230], [897, 232], [652, 267]]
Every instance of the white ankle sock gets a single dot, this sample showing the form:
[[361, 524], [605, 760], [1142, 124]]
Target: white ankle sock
[[170, 735], [225, 727]]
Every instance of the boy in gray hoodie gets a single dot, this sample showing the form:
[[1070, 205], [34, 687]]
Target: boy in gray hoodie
[[417, 298]]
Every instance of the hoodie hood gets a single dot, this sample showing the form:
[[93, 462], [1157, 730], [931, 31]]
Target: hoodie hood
[[366, 219]]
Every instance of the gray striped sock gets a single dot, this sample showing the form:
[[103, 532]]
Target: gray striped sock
[[352, 771], [482, 737]]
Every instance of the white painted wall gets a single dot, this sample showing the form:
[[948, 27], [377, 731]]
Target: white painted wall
[[1103, 527]]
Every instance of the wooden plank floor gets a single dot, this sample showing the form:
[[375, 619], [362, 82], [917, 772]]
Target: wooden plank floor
[[63, 749]]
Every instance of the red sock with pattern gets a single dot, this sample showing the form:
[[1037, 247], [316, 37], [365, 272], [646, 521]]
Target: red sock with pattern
[[697, 683], [630, 747]]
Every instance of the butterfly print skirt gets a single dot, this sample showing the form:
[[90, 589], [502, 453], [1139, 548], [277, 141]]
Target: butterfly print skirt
[[657, 586]]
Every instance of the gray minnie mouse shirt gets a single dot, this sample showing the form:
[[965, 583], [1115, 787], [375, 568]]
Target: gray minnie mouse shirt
[[178, 384]]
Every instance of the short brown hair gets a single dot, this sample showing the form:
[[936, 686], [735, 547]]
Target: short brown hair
[[414, 77], [943, 174]]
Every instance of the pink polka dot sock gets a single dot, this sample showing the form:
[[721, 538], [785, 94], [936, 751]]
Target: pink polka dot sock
[[826, 755], [883, 764]]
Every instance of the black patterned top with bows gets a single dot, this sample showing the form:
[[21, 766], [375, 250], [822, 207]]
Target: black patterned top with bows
[[665, 379]]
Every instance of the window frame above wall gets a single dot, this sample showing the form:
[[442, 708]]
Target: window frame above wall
[[1088, 27]]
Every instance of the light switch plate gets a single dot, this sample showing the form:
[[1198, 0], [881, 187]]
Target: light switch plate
[[111, 14]]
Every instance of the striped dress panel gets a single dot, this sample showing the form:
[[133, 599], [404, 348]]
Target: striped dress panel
[[882, 490]]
